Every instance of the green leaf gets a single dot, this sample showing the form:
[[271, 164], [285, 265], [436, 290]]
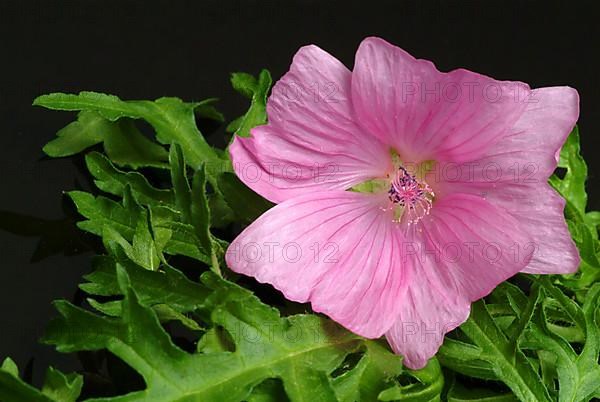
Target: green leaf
[[61, 387], [257, 90], [58, 387], [375, 371], [466, 359], [592, 219], [301, 350], [9, 366], [193, 203], [123, 142], [515, 330], [87, 131], [201, 219], [508, 294], [181, 239], [216, 339], [200, 213], [142, 250], [429, 387], [102, 212], [125, 145], [245, 203], [509, 363], [181, 185], [167, 286], [586, 243], [572, 186], [234, 125], [165, 312], [578, 375], [583, 226], [114, 181], [221, 213], [244, 83], [172, 119], [569, 306]]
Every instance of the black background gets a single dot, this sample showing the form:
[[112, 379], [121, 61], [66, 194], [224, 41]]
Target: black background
[[187, 49]]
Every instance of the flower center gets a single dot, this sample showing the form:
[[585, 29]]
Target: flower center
[[410, 198]]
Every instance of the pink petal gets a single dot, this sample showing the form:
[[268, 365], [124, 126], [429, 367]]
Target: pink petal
[[461, 252], [312, 142], [336, 249], [527, 154], [425, 114], [514, 173], [427, 316], [549, 117], [539, 210]]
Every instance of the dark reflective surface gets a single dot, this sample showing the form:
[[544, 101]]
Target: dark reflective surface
[[185, 49]]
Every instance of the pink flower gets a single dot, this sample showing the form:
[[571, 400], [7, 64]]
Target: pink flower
[[448, 196]]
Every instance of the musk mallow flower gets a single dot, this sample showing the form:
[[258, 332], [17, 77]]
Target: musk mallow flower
[[403, 193]]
